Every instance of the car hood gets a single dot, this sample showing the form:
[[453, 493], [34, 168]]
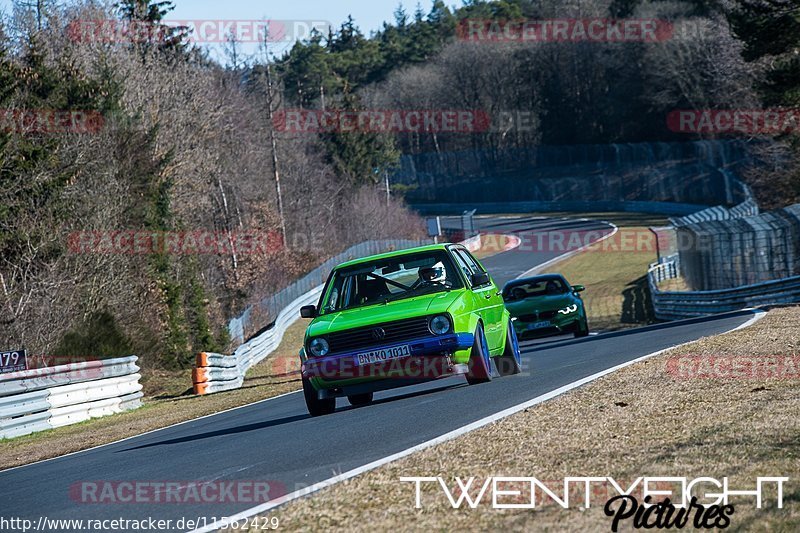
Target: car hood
[[551, 302], [427, 304]]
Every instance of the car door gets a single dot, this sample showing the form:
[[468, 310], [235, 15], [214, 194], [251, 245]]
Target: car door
[[477, 301], [488, 298]]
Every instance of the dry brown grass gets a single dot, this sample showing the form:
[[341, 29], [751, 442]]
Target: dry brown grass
[[639, 421], [169, 401]]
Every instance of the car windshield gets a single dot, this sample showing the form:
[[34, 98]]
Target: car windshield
[[393, 278], [534, 288]]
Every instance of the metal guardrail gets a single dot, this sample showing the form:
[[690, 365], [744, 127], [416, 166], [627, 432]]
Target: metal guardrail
[[666, 269], [747, 208], [676, 305], [662, 208], [740, 220], [45, 398]]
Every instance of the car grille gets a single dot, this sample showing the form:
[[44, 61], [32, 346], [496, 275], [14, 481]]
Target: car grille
[[353, 339], [535, 317]]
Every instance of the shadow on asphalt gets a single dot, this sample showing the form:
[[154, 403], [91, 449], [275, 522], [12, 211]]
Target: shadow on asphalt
[[286, 420], [633, 331], [416, 394], [220, 432]]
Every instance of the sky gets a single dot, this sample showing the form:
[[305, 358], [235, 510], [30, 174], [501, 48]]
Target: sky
[[369, 15]]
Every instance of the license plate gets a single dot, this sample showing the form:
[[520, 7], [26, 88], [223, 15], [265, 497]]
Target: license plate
[[385, 354], [538, 325]]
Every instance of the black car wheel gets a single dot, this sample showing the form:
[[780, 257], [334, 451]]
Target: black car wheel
[[480, 367], [317, 407], [509, 363], [583, 329]]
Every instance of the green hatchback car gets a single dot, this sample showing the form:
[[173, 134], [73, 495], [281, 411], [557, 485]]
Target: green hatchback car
[[546, 305], [402, 318]]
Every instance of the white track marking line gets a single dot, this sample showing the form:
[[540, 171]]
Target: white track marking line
[[758, 315], [566, 255]]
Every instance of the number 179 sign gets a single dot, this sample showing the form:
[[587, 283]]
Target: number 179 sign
[[13, 361]]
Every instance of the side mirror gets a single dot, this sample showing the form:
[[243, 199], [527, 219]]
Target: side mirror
[[308, 311], [481, 278], [578, 288]]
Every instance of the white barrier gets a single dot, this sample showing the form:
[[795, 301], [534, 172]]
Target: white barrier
[[44, 398], [217, 372], [43, 378]]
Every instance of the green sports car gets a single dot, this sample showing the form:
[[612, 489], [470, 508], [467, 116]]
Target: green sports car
[[546, 305], [402, 318]]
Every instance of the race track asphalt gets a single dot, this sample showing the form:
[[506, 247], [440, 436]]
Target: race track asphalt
[[277, 441]]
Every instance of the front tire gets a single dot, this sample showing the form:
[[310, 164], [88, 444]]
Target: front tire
[[360, 400], [510, 362], [583, 329], [317, 407], [480, 369]]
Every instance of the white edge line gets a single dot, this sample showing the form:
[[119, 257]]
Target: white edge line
[[759, 314], [569, 254], [151, 431]]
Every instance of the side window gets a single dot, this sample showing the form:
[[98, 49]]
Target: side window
[[470, 261], [462, 264]]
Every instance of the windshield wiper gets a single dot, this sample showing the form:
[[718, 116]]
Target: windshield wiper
[[422, 289]]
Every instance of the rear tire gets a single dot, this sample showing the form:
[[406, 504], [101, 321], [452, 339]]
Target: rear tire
[[480, 366], [317, 407], [583, 329], [360, 400], [510, 362]]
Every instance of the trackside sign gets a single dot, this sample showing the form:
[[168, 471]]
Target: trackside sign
[[13, 361]]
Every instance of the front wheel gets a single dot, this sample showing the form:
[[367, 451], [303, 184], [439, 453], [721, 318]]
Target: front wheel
[[583, 329], [359, 400], [510, 362], [317, 407], [480, 367]]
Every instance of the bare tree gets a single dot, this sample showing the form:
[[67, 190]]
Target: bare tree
[[273, 102]]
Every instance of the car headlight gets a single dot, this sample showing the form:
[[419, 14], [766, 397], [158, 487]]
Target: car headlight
[[567, 310], [439, 325], [319, 347]]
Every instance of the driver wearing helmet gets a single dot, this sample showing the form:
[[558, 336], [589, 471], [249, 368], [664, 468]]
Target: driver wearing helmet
[[552, 287]]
